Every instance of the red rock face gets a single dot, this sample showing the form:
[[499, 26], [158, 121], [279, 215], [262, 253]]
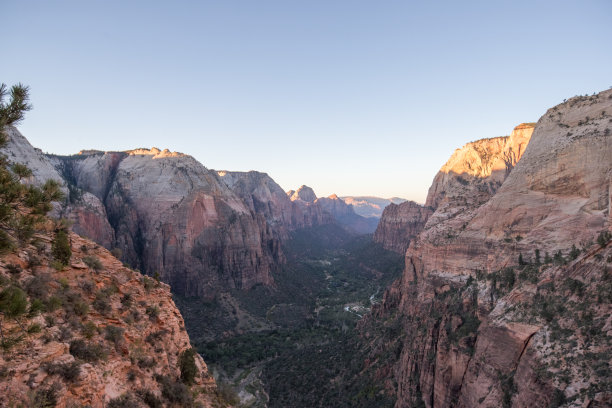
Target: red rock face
[[144, 345], [90, 220], [475, 333], [401, 223]]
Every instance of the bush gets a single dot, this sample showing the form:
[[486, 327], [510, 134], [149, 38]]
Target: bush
[[93, 263], [114, 334], [148, 283], [175, 391], [603, 238], [13, 269], [36, 306], [6, 243], [152, 312], [116, 252], [89, 330], [45, 397], [13, 302], [38, 286], [188, 367], [34, 328], [61, 248], [574, 253], [126, 300], [54, 303], [126, 400], [150, 399], [101, 304], [88, 352], [68, 371], [80, 308], [558, 399]]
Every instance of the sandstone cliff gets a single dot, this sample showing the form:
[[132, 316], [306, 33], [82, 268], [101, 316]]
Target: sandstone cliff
[[304, 193], [173, 216], [77, 328], [104, 332], [344, 214], [283, 212], [504, 300], [400, 224], [85, 210]]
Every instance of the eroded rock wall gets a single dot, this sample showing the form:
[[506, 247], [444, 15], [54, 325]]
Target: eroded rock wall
[[485, 319]]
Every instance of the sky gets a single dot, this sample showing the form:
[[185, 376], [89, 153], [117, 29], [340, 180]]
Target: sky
[[346, 96]]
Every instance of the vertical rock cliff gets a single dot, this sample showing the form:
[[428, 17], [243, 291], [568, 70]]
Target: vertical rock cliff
[[345, 215], [400, 224], [173, 216], [78, 328], [504, 300]]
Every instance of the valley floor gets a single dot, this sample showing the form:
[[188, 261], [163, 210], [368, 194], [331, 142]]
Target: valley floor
[[297, 344]]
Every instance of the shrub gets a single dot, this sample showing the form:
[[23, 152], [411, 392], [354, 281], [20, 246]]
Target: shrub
[[148, 283], [6, 243], [68, 371], [116, 252], [13, 302], [38, 286], [54, 303], [80, 308], [188, 367], [88, 352], [126, 300], [89, 330], [152, 312], [87, 286], [114, 334], [150, 399], [61, 248], [34, 328], [175, 391], [144, 362], [574, 253], [93, 263], [45, 397], [603, 238], [13, 269], [558, 399], [155, 337], [36, 306], [126, 400], [101, 304]]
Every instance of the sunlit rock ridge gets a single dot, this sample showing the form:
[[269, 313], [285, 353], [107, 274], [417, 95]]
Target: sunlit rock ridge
[[200, 230], [505, 297]]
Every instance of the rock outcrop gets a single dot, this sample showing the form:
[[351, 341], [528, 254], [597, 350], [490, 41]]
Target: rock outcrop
[[283, 212], [85, 210], [113, 332], [173, 216], [400, 224], [487, 315], [304, 193], [77, 328]]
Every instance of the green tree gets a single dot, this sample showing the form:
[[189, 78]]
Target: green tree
[[13, 303], [188, 366], [13, 112], [61, 247]]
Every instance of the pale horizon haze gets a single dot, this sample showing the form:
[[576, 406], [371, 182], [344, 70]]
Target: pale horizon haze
[[347, 97]]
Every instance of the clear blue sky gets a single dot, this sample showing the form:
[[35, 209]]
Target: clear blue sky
[[349, 97]]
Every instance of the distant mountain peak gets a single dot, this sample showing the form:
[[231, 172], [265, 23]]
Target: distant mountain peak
[[303, 193]]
